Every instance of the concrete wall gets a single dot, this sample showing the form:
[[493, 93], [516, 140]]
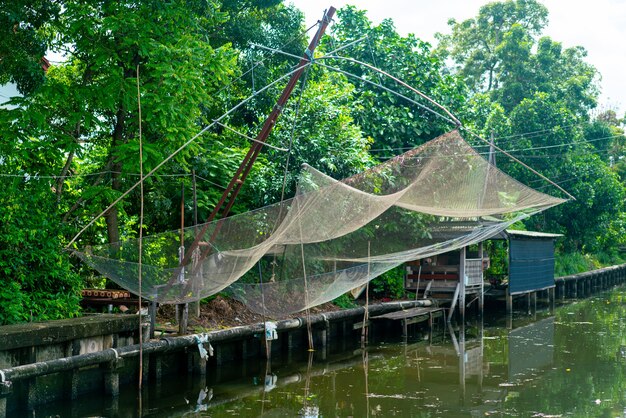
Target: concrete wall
[[39, 342], [64, 359]]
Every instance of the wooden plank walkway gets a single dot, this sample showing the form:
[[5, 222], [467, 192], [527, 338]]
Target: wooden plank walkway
[[413, 316]]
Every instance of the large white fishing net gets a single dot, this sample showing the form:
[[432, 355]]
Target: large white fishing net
[[333, 235]]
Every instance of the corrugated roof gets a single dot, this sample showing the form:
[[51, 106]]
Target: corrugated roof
[[532, 234]]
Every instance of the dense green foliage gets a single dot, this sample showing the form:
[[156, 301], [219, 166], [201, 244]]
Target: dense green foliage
[[534, 98], [392, 122], [36, 278], [69, 146], [389, 284], [23, 42]]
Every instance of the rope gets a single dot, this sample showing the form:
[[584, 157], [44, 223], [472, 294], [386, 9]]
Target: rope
[[367, 299], [182, 147], [380, 86], [456, 121], [260, 62], [306, 289], [287, 54], [369, 43], [289, 150], [453, 119], [250, 138], [517, 160], [267, 344], [397, 80]]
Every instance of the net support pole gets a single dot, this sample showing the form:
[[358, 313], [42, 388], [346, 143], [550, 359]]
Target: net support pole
[[140, 255], [182, 310], [366, 316], [195, 222], [234, 186], [462, 273], [419, 275]]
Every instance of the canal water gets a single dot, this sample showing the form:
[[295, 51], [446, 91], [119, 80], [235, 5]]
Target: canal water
[[570, 363]]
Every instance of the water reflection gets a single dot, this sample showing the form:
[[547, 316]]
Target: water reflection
[[570, 363], [531, 349]]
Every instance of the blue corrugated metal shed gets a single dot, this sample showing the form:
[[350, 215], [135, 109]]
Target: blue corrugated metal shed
[[531, 261]]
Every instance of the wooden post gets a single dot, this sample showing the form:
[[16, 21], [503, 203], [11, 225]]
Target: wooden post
[[195, 222], [462, 366], [463, 284], [509, 302], [417, 287], [6, 388], [430, 283], [455, 298], [481, 335], [366, 314], [481, 297], [182, 310], [153, 311], [112, 377], [184, 319]]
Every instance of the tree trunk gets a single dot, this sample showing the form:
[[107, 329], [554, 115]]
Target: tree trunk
[[113, 228]]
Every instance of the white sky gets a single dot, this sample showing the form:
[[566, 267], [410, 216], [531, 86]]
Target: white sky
[[599, 26]]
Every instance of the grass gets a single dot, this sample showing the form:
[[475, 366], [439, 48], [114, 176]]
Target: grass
[[573, 263]]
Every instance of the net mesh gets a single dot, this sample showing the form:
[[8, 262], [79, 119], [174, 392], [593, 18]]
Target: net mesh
[[333, 235]]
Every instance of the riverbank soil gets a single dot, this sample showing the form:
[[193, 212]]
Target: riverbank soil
[[222, 312]]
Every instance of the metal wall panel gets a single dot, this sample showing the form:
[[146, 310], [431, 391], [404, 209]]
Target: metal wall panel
[[531, 264]]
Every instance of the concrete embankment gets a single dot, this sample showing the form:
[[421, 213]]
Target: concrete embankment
[[43, 362]]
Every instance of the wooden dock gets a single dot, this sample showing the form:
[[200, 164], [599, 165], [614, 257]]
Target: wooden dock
[[413, 316]]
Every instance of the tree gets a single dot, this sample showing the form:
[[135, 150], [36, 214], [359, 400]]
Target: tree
[[321, 133], [73, 142], [535, 96], [392, 122], [37, 281], [24, 41], [500, 52], [179, 69], [76, 136], [589, 220], [479, 45]]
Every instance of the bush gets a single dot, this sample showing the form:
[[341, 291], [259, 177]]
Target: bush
[[571, 263], [37, 281], [389, 284], [344, 302]]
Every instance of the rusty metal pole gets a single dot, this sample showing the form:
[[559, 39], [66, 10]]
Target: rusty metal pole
[[235, 185]]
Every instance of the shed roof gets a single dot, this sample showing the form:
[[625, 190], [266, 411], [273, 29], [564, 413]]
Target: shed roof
[[532, 234]]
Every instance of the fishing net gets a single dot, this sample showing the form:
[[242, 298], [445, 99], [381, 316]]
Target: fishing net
[[333, 235]]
